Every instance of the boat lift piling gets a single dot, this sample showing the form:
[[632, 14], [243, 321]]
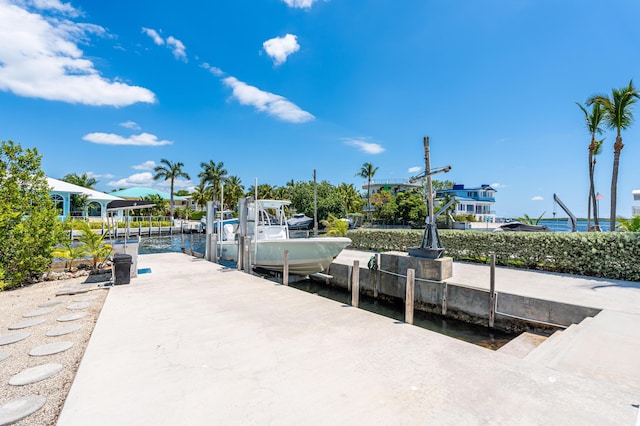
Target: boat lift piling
[[410, 296], [355, 284]]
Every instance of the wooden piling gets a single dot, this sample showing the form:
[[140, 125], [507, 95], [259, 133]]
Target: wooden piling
[[182, 246], [247, 258], [492, 290], [191, 244], [409, 297], [444, 298], [240, 263], [285, 268], [355, 284]]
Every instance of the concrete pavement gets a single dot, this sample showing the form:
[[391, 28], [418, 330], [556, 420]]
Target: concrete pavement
[[189, 344]]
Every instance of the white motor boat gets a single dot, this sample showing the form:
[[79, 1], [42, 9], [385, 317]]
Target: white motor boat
[[269, 233]]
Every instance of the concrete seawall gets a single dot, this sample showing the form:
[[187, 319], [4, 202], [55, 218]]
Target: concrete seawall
[[514, 312]]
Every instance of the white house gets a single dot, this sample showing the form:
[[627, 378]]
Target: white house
[[97, 201], [635, 210]]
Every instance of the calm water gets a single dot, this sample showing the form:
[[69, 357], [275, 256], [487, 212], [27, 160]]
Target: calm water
[[562, 225], [477, 335]]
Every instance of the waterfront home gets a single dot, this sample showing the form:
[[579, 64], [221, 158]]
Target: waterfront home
[[95, 207], [477, 201], [635, 210]]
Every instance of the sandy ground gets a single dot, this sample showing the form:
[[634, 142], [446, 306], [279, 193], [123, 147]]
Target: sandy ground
[[13, 305]]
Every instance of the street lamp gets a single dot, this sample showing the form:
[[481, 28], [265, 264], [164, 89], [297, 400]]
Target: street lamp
[[430, 245]]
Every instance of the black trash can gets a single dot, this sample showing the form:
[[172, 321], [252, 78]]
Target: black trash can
[[122, 268]]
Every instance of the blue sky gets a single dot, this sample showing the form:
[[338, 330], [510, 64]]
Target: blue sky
[[278, 88]]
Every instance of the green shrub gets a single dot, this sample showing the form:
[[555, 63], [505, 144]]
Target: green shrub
[[197, 215], [606, 255], [29, 228]]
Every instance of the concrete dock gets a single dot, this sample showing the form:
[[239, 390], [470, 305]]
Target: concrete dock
[[193, 344]]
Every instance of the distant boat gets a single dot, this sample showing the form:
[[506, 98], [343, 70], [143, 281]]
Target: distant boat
[[522, 227], [300, 221], [269, 235]]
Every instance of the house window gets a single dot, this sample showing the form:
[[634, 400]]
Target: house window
[[58, 203], [94, 209]]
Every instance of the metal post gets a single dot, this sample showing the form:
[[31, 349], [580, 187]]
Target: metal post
[[139, 229], [492, 290], [377, 277], [209, 231], [149, 225], [247, 257], [409, 296], [355, 286], [285, 268], [240, 257]]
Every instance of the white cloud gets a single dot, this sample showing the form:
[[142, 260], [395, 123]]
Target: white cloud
[[177, 48], [270, 103], [537, 198], [301, 4], [130, 125], [497, 185], [154, 36], [97, 176], [40, 58], [213, 70], [279, 48], [143, 139], [55, 5], [364, 146], [414, 169], [136, 179], [147, 165]]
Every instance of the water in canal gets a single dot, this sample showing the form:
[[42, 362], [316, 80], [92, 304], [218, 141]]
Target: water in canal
[[471, 333]]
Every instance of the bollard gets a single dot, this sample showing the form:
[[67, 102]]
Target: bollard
[[492, 290], [240, 253], [409, 297], [285, 268], [355, 284], [247, 258]]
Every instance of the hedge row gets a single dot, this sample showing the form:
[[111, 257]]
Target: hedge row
[[613, 255]]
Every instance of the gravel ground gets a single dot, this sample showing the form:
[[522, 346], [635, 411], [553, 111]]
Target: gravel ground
[[13, 305]]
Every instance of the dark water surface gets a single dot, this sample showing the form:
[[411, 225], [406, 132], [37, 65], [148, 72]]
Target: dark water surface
[[471, 333]]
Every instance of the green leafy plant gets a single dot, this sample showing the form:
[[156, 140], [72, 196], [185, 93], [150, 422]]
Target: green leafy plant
[[630, 225], [29, 228], [530, 220], [94, 244], [335, 227], [70, 252]]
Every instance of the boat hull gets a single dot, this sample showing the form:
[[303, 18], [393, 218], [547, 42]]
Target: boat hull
[[306, 255]]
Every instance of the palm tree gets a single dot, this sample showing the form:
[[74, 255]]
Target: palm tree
[[81, 180], [170, 171], [368, 172], [350, 196], [201, 195], [233, 190], [214, 175], [618, 116], [593, 120]]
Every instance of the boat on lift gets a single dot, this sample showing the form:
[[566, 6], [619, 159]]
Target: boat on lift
[[267, 227]]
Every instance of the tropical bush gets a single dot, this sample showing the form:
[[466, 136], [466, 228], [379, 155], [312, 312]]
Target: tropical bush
[[335, 227], [29, 228], [607, 255]]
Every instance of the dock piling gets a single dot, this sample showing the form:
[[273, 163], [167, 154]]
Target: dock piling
[[285, 268], [492, 290], [409, 297], [355, 284]]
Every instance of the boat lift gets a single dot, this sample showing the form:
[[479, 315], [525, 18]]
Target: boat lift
[[572, 218], [431, 245]]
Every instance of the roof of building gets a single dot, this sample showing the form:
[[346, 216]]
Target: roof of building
[[137, 192], [62, 186]]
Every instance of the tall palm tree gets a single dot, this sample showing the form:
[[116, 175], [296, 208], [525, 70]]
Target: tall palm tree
[[618, 115], [593, 120], [82, 180], [214, 175], [233, 190], [170, 171], [368, 172]]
